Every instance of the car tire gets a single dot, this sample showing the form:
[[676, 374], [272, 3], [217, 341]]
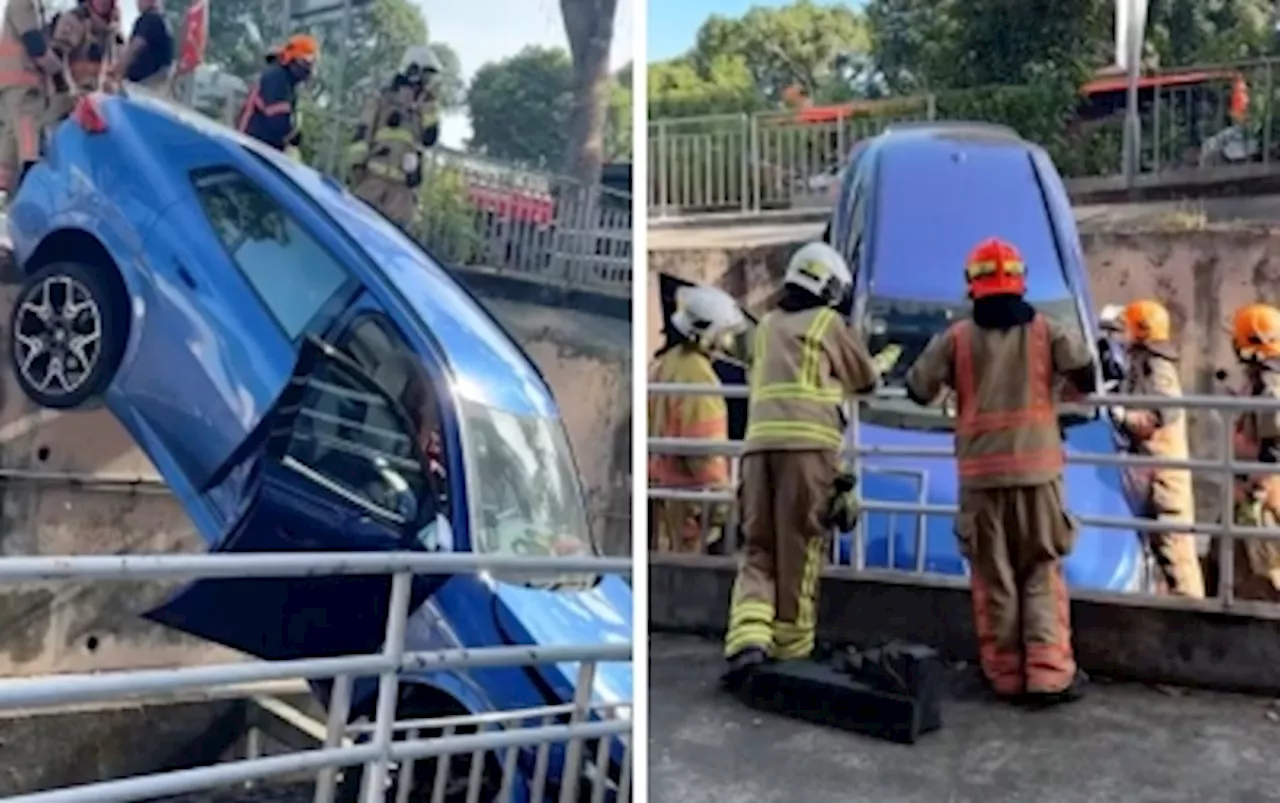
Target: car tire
[[424, 773], [75, 318]]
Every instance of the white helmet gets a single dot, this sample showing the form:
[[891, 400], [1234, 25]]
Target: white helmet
[[819, 269], [423, 57], [706, 315]]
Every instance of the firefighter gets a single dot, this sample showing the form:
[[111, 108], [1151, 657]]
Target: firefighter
[[269, 113], [705, 320], [86, 38], [806, 360], [385, 157], [1256, 339], [1012, 526], [29, 68], [1152, 370]]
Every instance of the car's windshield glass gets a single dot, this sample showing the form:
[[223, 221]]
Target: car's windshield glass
[[525, 496], [934, 205]]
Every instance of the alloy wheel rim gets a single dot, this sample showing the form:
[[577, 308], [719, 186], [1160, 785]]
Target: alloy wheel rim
[[57, 335]]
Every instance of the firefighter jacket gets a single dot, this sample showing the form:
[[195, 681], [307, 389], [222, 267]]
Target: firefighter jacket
[[86, 43], [1257, 436], [1006, 423], [704, 417], [23, 46], [804, 364], [394, 125], [1153, 371], [269, 112]]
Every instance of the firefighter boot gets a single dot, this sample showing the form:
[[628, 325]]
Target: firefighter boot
[[1077, 689], [741, 666]]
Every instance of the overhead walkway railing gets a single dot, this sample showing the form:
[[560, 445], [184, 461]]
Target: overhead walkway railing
[[588, 721], [1226, 408]]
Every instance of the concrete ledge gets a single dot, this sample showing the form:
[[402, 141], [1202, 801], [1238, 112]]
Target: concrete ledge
[[532, 289], [1169, 644]]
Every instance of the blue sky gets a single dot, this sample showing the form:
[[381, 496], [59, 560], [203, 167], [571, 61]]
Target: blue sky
[[673, 23]]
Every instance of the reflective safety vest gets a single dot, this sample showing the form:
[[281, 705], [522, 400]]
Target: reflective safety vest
[[16, 67], [704, 417], [794, 396], [1006, 426], [382, 151]]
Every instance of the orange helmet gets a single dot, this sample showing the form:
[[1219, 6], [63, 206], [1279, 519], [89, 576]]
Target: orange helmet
[[1146, 321], [995, 268], [1255, 333], [300, 47]]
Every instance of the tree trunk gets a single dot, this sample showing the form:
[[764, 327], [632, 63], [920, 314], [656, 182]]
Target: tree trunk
[[589, 26]]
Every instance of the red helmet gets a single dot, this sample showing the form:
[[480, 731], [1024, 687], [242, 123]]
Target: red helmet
[[995, 268]]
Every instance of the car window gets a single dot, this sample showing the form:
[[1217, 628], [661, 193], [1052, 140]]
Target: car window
[[350, 436], [936, 203], [380, 350], [292, 273]]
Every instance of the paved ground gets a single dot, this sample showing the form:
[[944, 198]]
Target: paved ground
[[1124, 743]]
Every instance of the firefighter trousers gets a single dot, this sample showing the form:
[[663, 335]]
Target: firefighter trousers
[[1015, 540], [786, 496], [684, 526], [23, 110], [1176, 559], [1257, 561], [395, 200]]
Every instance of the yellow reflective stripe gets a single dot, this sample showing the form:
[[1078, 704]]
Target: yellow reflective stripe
[[389, 135], [796, 430], [758, 353], [797, 640], [384, 170], [988, 267], [750, 625], [809, 384]]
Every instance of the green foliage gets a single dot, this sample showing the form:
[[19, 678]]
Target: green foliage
[[520, 108], [446, 220], [679, 88], [1199, 32]]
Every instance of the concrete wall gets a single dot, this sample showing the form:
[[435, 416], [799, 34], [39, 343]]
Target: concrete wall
[[586, 357]]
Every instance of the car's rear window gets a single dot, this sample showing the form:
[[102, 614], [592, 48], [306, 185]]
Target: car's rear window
[[936, 203]]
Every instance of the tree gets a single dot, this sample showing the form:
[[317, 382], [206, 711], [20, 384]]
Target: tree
[[724, 85], [1195, 32], [801, 45], [589, 27], [619, 126], [520, 106]]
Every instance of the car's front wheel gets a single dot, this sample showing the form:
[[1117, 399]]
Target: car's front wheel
[[67, 334]]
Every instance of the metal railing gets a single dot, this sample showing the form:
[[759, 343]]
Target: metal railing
[[587, 721], [1227, 532], [753, 164]]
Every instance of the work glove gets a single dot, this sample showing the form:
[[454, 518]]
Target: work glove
[[887, 358], [1109, 318], [1117, 414], [410, 162], [843, 515]]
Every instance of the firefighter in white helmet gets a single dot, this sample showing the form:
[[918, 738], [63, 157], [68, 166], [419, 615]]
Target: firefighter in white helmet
[[806, 361], [704, 324], [384, 160]]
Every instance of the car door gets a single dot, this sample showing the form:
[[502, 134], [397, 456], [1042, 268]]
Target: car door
[[242, 274], [335, 465], [732, 369]]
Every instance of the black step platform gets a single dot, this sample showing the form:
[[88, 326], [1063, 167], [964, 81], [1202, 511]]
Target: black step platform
[[900, 704]]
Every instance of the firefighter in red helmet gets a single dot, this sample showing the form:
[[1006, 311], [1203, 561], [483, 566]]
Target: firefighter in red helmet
[[1012, 526]]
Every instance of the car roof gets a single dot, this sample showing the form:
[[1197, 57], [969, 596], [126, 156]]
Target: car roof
[[489, 367]]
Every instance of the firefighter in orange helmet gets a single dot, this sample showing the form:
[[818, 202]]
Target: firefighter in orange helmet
[[1255, 337], [1012, 525], [1152, 370], [270, 112]]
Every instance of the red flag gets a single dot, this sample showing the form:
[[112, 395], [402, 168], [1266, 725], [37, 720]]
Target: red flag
[[195, 36]]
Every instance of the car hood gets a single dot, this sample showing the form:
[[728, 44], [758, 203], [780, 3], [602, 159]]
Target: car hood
[[1103, 558], [599, 615], [487, 364]]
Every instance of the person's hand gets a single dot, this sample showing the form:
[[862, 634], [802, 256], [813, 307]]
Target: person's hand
[[1117, 414]]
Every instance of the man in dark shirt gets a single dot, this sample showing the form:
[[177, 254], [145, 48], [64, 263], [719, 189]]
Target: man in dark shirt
[[149, 57]]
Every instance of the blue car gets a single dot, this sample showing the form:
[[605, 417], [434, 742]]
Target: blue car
[[913, 203], [306, 377]]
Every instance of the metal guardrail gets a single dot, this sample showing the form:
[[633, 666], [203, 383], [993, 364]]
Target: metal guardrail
[[379, 754], [752, 164], [1227, 467]]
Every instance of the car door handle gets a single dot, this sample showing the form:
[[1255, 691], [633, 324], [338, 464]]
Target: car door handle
[[186, 277]]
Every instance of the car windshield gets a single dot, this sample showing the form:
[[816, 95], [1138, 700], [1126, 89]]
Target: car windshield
[[935, 204], [525, 495]]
